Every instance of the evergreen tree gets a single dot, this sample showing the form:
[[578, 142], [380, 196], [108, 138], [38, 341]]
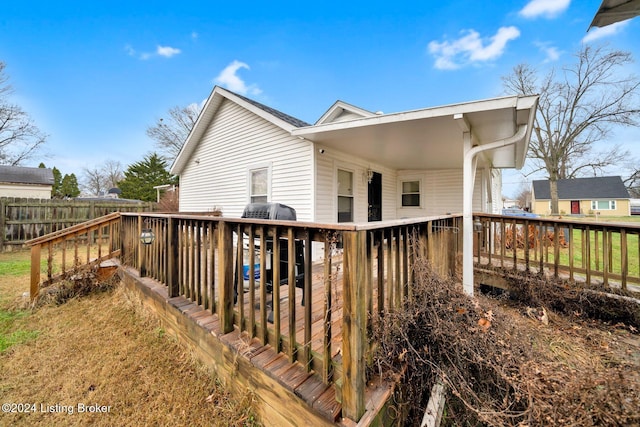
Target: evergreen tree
[[69, 186], [56, 192], [141, 177]]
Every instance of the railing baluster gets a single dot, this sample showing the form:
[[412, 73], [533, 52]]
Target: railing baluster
[[291, 263], [275, 296], [308, 299], [327, 371], [239, 277], [571, 240], [624, 261], [252, 282], [588, 253], [526, 245], [225, 276], [263, 285], [556, 250]]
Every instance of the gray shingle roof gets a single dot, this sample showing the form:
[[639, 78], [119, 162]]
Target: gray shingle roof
[[22, 175], [605, 187], [279, 114]]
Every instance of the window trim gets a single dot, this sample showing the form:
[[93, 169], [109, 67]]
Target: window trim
[[408, 178], [337, 193], [250, 171], [612, 205], [402, 180]]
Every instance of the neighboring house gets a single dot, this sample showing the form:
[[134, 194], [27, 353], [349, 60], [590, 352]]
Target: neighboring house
[[352, 165], [31, 183], [605, 195]]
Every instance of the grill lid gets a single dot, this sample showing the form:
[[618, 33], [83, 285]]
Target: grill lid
[[269, 210]]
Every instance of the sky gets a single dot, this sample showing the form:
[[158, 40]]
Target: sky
[[95, 75]]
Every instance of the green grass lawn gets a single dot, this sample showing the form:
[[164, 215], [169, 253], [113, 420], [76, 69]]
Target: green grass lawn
[[14, 268]]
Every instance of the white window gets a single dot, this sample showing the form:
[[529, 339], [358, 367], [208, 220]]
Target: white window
[[603, 205], [345, 196], [259, 185], [410, 193]]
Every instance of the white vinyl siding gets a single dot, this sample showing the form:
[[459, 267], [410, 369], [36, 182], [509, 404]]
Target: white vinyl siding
[[235, 142], [441, 192], [327, 165]]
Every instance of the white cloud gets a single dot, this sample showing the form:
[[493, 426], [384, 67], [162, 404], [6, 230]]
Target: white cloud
[[229, 79], [471, 48], [546, 8], [551, 52], [601, 32], [194, 35], [167, 51]]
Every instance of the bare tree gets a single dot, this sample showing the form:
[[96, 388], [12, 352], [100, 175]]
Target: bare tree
[[99, 179], [524, 197], [633, 184], [113, 173], [170, 134], [20, 138], [578, 106]]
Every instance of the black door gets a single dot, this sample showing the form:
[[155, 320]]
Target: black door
[[375, 197]]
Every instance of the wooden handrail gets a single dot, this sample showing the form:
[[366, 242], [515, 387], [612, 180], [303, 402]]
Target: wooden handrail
[[72, 233], [58, 235]]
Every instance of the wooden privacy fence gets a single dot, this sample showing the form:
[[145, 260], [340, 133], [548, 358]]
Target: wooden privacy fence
[[25, 219], [586, 251], [321, 321]]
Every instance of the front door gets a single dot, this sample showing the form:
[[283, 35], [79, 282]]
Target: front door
[[575, 207], [375, 197]]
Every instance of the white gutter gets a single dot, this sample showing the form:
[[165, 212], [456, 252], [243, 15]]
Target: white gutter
[[467, 204]]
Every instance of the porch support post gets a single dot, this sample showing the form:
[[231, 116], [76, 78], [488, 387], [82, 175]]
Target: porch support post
[[354, 327], [468, 174], [469, 168]]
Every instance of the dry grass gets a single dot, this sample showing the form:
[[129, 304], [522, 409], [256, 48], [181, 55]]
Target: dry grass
[[98, 350]]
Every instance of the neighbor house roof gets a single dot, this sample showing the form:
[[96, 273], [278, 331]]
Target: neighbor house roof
[[604, 187], [25, 175]]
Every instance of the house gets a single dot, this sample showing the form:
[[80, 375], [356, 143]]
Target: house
[[25, 182], [352, 165], [355, 165], [606, 196]]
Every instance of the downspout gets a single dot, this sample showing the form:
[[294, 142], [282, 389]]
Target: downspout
[[467, 204]]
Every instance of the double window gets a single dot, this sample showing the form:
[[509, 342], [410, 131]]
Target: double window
[[603, 205], [411, 193], [345, 196]]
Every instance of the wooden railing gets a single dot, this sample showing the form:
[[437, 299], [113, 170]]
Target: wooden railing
[[359, 269], [75, 247], [345, 273], [603, 252]]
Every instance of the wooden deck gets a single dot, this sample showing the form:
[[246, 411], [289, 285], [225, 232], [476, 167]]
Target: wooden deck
[[193, 323], [306, 363]]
